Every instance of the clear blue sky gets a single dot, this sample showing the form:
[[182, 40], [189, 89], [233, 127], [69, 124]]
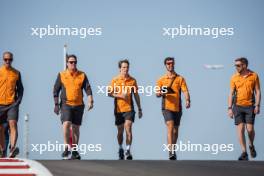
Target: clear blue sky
[[133, 30]]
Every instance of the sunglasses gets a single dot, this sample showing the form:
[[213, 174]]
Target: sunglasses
[[169, 63], [238, 65], [8, 59], [72, 62]]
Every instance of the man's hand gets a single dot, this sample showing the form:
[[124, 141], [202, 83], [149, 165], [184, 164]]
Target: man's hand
[[57, 109], [158, 94], [90, 105], [256, 110], [123, 96], [230, 113], [140, 114], [188, 104]]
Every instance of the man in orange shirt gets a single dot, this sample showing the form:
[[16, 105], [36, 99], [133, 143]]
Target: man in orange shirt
[[244, 104], [11, 93], [171, 85], [121, 89], [70, 84]]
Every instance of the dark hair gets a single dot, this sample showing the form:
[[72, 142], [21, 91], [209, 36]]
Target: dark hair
[[69, 56], [243, 60], [123, 61], [8, 52], [168, 59]]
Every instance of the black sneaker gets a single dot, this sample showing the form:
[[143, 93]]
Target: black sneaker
[[121, 154], [243, 156], [172, 156], [253, 152], [75, 156], [14, 152], [65, 155], [128, 155]]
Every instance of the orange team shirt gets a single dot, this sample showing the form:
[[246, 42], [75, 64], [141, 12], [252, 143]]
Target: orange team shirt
[[9, 78], [172, 101], [244, 88], [72, 86], [121, 85]]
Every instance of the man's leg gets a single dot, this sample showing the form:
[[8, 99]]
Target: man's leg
[[241, 136], [66, 125], [242, 141], [75, 141], [120, 131], [175, 135], [2, 139], [6, 129], [75, 134], [170, 130], [251, 133], [13, 132], [128, 128], [66, 132], [251, 136], [13, 138]]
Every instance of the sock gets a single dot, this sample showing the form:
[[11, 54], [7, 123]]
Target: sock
[[128, 147]]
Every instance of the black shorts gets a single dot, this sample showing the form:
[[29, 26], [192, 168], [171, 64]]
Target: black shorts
[[244, 114], [121, 117], [73, 114], [171, 115], [7, 114]]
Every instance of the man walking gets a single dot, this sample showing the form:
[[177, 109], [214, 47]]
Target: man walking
[[70, 84], [121, 89], [11, 93], [244, 104], [171, 85]]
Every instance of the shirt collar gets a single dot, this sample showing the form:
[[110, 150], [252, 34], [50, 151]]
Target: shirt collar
[[69, 73], [173, 75], [123, 78]]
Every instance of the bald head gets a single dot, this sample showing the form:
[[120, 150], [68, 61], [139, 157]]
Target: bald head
[[7, 58]]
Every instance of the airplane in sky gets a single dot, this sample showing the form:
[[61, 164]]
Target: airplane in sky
[[214, 67]]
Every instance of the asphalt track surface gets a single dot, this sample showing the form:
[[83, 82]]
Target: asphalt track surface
[[153, 168]]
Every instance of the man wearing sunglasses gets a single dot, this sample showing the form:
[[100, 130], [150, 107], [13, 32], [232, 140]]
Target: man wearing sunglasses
[[11, 93], [171, 85], [244, 104], [70, 84]]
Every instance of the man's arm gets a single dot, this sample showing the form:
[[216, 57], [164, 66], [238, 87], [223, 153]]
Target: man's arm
[[159, 90], [137, 98], [111, 91], [56, 92], [20, 89], [186, 93], [231, 98], [257, 97], [88, 90], [115, 95], [230, 103], [187, 99]]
